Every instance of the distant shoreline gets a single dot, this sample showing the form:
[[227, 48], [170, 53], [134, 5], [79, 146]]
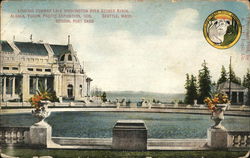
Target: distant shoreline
[[146, 110]]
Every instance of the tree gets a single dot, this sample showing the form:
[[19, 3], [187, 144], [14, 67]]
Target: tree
[[205, 83], [104, 97], [186, 100], [223, 76], [246, 83], [233, 77], [96, 92], [191, 87]]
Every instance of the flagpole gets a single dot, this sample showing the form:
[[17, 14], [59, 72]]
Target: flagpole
[[230, 74]]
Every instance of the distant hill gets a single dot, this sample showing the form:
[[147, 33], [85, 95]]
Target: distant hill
[[136, 96]]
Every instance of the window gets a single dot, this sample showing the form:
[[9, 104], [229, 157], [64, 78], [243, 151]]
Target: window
[[234, 97], [14, 68], [47, 70], [39, 70], [18, 83], [62, 58], [69, 58], [241, 97], [50, 83], [5, 68], [32, 85], [80, 90], [30, 69], [41, 83], [70, 90], [9, 85]]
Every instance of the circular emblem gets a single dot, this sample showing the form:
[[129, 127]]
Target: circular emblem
[[222, 29]]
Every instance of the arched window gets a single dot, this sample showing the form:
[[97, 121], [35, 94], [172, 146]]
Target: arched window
[[80, 87], [70, 90], [62, 58], [69, 58]]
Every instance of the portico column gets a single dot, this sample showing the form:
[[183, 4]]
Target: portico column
[[88, 87], [1, 86], [231, 95], [4, 87], [55, 84], [245, 96], [13, 86], [45, 83], [37, 83], [25, 87], [237, 98]]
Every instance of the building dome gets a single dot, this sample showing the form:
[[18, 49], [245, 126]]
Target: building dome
[[68, 57], [68, 62]]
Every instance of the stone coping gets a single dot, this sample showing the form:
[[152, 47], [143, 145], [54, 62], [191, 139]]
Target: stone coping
[[130, 121], [106, 143], [152, 144], [154, 110]]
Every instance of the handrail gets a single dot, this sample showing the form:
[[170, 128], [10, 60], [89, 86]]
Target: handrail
[[239, 139], [14, 135]]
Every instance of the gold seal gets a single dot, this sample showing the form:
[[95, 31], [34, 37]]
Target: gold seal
[[222, 29]]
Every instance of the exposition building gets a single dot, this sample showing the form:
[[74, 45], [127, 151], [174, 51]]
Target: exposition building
[[27, 65], [238, 93]]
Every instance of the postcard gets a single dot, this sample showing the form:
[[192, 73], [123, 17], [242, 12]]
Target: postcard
[[161, 78]]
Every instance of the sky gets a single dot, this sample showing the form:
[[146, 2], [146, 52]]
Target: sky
[[151, 51]]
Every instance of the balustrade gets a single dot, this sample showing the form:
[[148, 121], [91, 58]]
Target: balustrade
[[14, 135], [239, 138], [20, 136]]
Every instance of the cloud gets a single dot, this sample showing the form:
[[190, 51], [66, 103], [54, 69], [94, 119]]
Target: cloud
[[123, 61], [10, 28], [159, 63]]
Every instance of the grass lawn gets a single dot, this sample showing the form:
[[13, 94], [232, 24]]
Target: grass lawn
[[29, 153]]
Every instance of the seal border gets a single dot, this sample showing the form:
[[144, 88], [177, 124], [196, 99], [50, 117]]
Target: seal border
[[234, 17]]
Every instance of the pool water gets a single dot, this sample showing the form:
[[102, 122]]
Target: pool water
[[100, 124]]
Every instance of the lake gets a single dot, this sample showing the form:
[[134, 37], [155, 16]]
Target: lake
[[100, 124]]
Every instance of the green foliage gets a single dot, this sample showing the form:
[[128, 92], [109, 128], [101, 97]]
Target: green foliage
[[205, 83], [104, 97], [28, 153], [246, 83], [223, 76], [205, 86], [246, 79], [230, 36], [51, 94], [233, 77], [96, 92], [180, 102], [154, 101], [191, 89]]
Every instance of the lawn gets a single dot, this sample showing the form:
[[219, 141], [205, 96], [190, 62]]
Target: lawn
[[23, 153]]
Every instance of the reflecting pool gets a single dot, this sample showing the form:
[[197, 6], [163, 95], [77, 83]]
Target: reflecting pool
[[100, 124]]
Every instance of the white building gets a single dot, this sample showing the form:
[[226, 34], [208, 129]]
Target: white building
[[238, 93], [24, 66]]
